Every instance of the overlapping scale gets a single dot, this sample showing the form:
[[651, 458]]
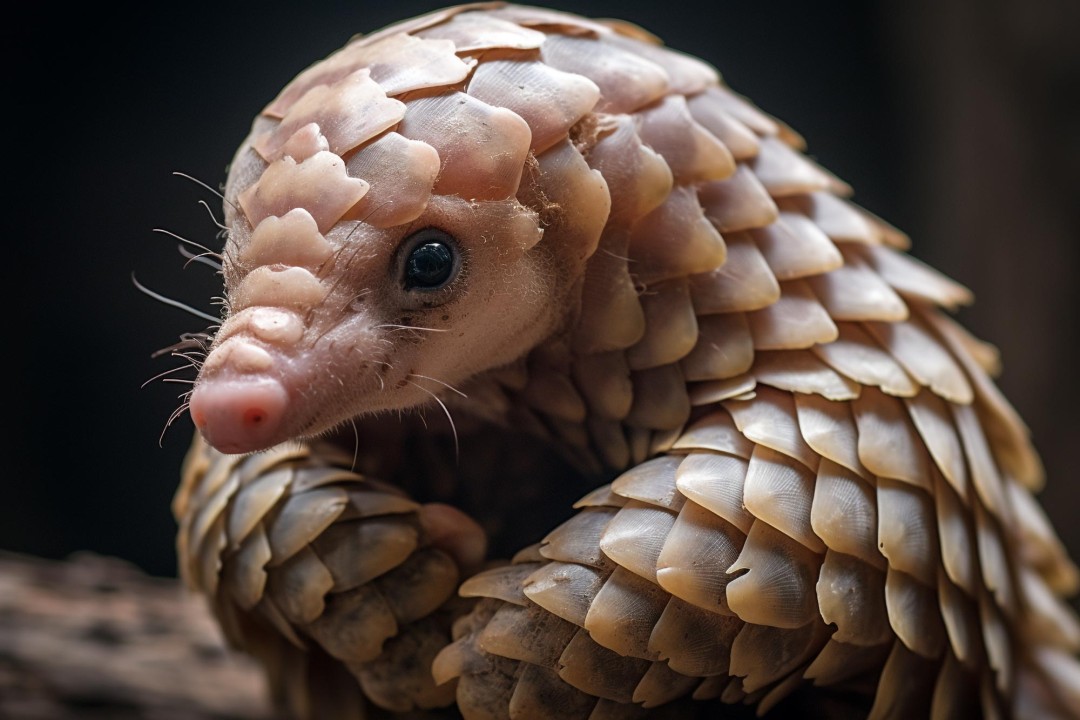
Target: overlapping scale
[[627, 81], [836, 217], [785, 172], [800, 372], [347, 113], [739, 202], [687, 75], [829, 429], [715, 482], [743, 283], [854, 292], [698, 549], [795, 321], [844, 513], [675, 240], [796, 248], [319, 184], [770, 420], [401, 174], [778, 589], [549, 100], [321, 556], [667, 307], [398, 62], [711, 110], [827, 486], [693, 153], [660, 399], [482, 148], [910, 277], [473, 32], [779, 490], [923, 357], [723, 349]]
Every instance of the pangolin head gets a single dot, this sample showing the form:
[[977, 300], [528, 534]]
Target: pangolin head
[[406, 214]]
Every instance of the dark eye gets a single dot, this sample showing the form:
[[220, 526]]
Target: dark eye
[[432, 262]]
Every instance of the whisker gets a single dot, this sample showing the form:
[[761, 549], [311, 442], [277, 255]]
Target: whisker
[[175, 303], [379, 376], [227, 254], [213, 217], [446, 385], [186, 241], [200, 182], [356, 443], [172, 418], [167, 372], [188, 341], [408, 327], [354, 252], [616, 256], [200, 258], [196, 360], [453, 427], [375, 209]]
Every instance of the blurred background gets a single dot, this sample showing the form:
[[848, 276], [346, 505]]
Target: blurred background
[[956, 120]]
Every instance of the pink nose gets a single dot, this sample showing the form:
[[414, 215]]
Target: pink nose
[[239, 415]]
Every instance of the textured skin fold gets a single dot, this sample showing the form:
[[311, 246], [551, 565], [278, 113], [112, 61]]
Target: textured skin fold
[[817, 482]]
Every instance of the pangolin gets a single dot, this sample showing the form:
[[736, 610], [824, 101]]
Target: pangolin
[[604, 266]]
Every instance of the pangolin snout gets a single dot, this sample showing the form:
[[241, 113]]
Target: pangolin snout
[[239, 415]]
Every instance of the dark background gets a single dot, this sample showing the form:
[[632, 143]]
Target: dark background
[[957, 120]]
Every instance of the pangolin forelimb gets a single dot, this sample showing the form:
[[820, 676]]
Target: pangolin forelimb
[[340, 585]]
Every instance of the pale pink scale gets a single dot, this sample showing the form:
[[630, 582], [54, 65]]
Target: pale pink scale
[[274, 286], [744, 282], [320, 185], [785, 172], [637, 177], [482, 148], [675, 240], [305, 142], [626, 81], [708, 108], [398, 62], [837, 218], [401, 173], [740, 202], [412, 25], [403, 64], [549, 100], [350, 112], [691, 151], [292, 239], [744, 111], [472, 32], [687, 75], [549, 20]]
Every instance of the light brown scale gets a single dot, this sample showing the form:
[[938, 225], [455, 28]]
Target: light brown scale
[[822, 486]]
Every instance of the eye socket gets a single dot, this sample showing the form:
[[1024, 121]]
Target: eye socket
[[433, 260]]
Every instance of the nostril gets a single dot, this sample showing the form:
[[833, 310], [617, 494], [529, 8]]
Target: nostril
[[254, 416], [238, 415]]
